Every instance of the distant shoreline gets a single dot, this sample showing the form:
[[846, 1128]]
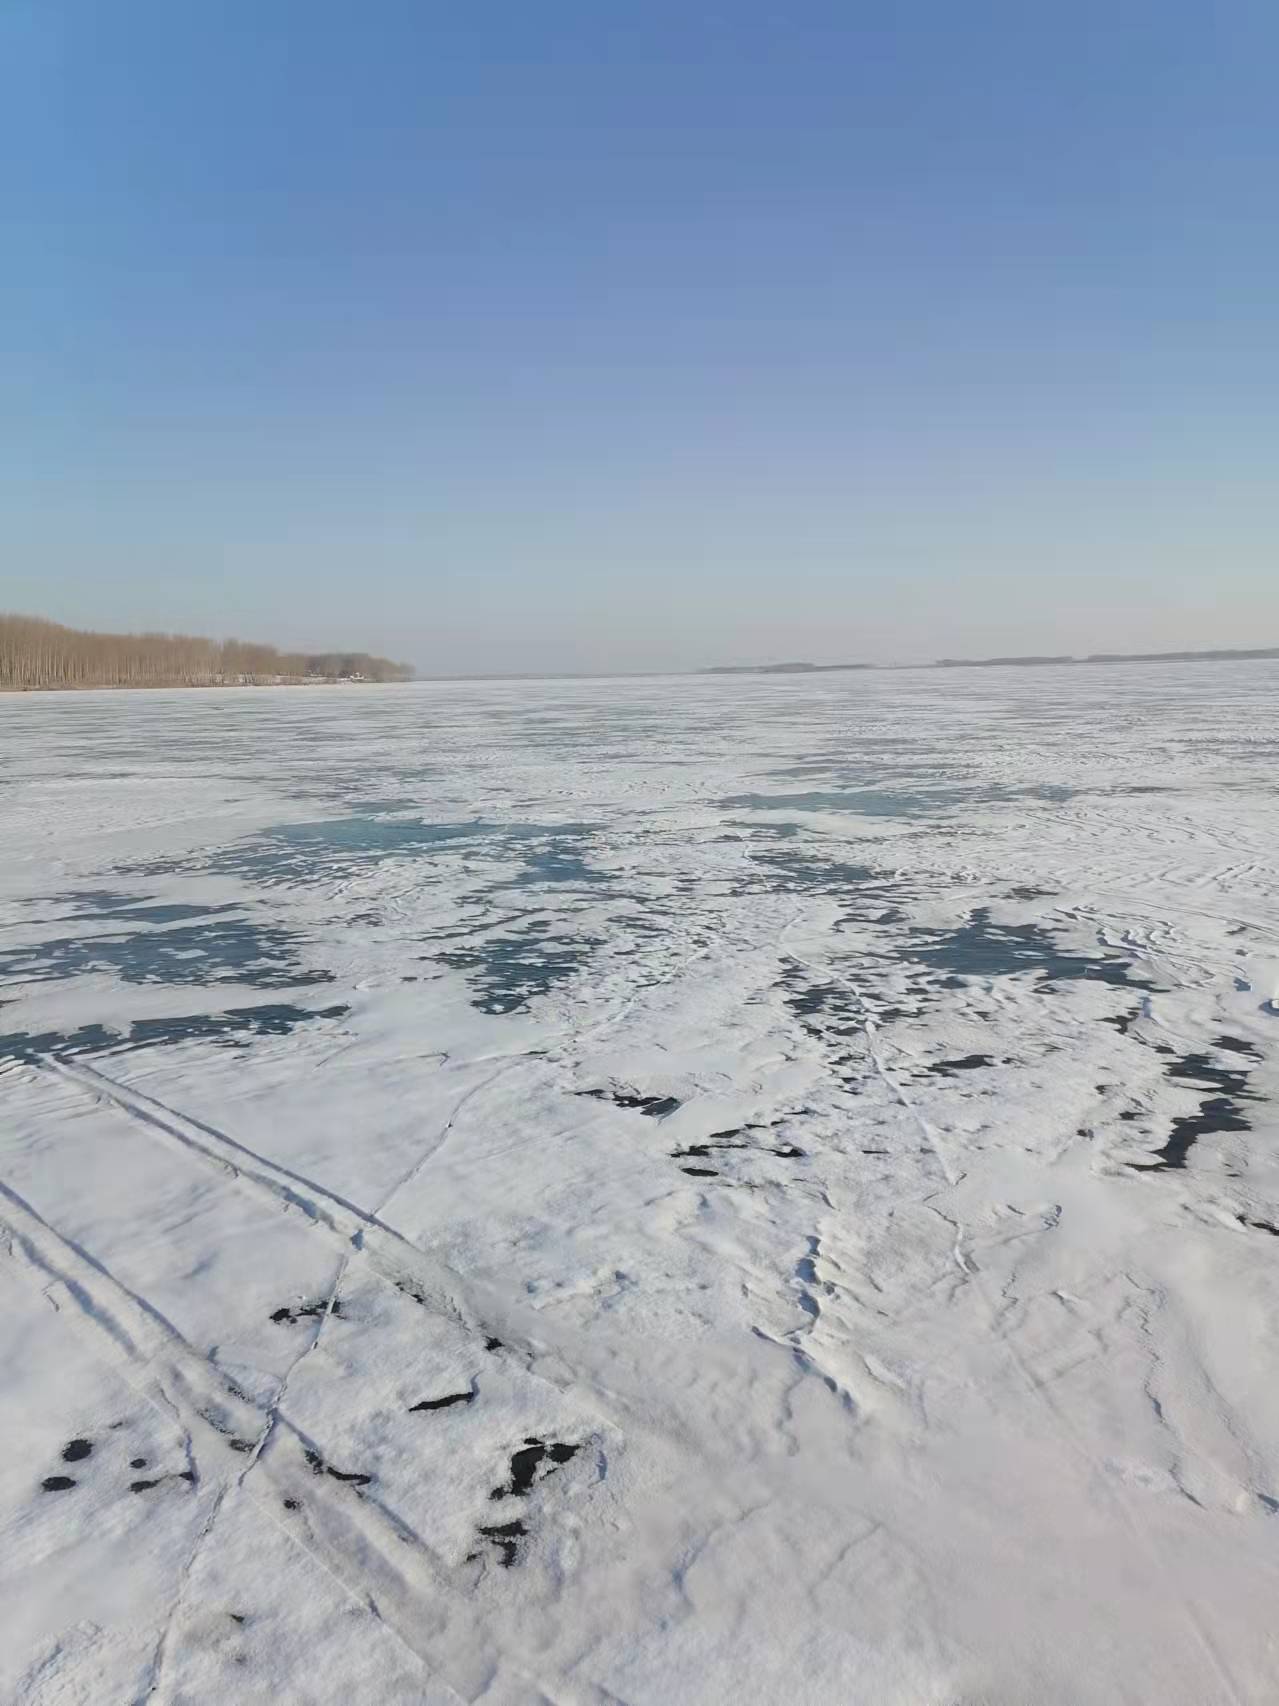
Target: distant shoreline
[[203, 686], [1220, 655]]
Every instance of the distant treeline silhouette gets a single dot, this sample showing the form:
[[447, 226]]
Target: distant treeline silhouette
[[35, 654]]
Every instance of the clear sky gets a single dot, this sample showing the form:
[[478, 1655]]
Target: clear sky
[[564, 334]]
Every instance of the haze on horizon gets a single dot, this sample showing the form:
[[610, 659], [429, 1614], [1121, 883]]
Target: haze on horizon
[[552, 339]]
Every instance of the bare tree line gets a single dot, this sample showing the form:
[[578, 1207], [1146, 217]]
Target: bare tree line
[[39, 654]]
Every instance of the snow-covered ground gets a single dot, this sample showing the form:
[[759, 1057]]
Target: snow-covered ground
[[748, 1190]]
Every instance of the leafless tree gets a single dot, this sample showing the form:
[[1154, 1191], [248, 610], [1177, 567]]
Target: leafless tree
[[39, 654]]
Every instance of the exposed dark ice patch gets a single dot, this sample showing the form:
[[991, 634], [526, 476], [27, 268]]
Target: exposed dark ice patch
[[981, 948], [215, 951], [656, 1107], [233, 1027], [301, 853], [447, 1402], [700, 1172], [511, 970], [864, 802], [505, 1536], [57, 1483], [318, 1466], [793, 872], [701, 1151], [1198, 1070], [137, 1463], [306, 1311], [1237, 1045], [76, 1450], [962, 1063], [187, 1475], [104, 904], [806, 1274], [525, 1463], [557, 862], [95, 903], [1215, 1116], [904, 801], [836, 1013], [736, 1138]]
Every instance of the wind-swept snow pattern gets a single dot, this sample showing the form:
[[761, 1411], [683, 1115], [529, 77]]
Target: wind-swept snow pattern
[[741, 1189]]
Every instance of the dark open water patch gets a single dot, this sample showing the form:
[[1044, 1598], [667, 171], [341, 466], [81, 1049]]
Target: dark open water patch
[[218, 950], [509, 971], [236, 1027]]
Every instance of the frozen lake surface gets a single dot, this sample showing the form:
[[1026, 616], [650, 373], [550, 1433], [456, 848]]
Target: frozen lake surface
[[740, 1189]]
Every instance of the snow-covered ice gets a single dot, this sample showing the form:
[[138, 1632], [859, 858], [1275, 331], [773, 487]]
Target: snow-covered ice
[[741, 1189]]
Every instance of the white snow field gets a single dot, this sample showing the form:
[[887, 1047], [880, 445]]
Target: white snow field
[[760, 1190]]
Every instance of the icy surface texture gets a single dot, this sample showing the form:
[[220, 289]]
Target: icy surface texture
[[739, 1190]]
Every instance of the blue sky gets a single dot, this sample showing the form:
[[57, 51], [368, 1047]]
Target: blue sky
[[523, 336]]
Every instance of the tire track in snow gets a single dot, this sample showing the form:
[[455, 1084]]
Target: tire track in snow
[[362, 1236], [376, 1557]]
